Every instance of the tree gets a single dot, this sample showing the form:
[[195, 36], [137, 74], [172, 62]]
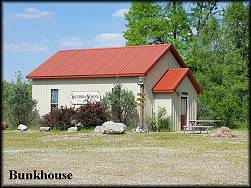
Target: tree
[[121, 103], [236, 48], [144, 24], [205, 48], [20, 102], [221, 68], [158, 22], [201, 12], [7, 90], [177, 25], [212, 37], [235, 26], [151, 22]]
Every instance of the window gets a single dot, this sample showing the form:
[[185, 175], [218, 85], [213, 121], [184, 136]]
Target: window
[[54, 98]]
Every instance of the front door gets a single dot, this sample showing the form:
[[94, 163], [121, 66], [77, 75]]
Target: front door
[[183, 112]]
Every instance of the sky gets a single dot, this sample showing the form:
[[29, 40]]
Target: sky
[[32, 32]]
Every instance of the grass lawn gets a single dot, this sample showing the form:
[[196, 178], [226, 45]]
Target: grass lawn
[[146, 158]]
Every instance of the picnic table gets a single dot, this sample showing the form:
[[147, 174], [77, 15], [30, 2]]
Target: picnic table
[[192, 122], [193, 125]]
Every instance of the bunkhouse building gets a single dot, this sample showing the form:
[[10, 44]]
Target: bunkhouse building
[[71, 77]]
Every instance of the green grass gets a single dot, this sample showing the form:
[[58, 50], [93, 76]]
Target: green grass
[[16, 139], [165, 156], [243, 128]]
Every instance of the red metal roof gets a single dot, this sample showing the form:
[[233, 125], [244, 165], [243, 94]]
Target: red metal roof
[[103, 62], [171, 80]]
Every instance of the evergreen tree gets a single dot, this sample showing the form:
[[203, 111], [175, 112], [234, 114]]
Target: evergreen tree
[[121, 104], [20, 103]]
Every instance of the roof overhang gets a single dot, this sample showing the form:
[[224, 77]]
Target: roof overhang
[[172, 78]]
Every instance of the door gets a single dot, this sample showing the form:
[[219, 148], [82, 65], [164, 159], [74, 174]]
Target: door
[[183, 112]]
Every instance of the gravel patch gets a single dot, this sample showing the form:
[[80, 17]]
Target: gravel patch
[[216, 163], [134, 166]]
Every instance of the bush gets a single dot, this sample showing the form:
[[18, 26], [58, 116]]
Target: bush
[[130, 126], [121, 105], [164, 124], [59, 118], [89, 115], [163, 121], [151, 124]]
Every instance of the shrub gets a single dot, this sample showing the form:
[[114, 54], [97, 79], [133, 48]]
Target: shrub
[[151, 124], [130, 126], [59, 118], [163, 121], [163, 124], [121, 105], [91, 115]]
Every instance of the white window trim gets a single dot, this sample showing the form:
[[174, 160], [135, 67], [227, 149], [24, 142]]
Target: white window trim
[[50, 98]]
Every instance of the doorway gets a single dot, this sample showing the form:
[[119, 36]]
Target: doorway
[[183, 112]]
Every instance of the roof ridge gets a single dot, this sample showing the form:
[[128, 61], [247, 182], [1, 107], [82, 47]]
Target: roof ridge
[[145, 45]]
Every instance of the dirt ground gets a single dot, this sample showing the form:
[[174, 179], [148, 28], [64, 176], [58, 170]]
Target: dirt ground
[[129, 159]]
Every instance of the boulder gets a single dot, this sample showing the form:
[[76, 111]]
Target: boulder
[[22, 127], [72, 129], [98, 129], [44, 128], [79, 125], [110, 127], [140, 130]]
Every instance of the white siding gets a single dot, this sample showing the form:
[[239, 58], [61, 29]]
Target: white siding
[[41, 89], [185, 86], [163, 100], [154, 75]]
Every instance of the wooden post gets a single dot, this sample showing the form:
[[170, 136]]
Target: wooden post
[[142, 108], [141, 100]]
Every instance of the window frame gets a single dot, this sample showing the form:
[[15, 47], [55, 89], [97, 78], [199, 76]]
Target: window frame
[[50, 98]]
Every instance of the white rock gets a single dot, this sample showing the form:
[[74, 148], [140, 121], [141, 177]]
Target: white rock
[[22, 127], [44, 128], [78, 125], [140, 130], [110, 127], [99, 129], [72, 129]]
